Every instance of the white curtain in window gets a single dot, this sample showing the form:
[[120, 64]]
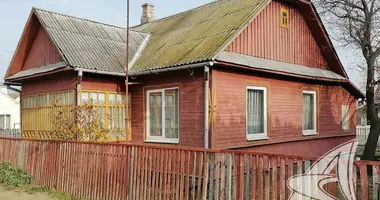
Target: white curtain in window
[[155, 106], [171, 113], [255, 111], [308, 112]]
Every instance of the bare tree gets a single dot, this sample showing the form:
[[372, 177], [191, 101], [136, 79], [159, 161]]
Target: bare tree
[[356, 23]]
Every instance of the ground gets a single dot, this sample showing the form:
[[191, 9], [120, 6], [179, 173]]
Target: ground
[[19, 194]]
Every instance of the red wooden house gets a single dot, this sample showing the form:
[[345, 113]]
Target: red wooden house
[[255, 74]]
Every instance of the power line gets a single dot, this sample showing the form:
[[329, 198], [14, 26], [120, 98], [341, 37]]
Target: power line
[[79, 4]]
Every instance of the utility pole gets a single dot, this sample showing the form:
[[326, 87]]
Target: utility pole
[[128, 137]]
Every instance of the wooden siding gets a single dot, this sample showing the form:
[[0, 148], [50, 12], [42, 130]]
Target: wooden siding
[[284, 108], [51, 83], [103, 83], [315, 147], [43, 52], [265, 38], [191, 105]]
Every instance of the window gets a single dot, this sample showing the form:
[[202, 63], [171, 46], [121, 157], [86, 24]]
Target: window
[[64, 98], [284, 18], [29, 102], [5, 122], [345, 118], [162, 115], [45, 100], [117, 111], [98, 100], [309, 113], [110, 108], [256, 113]]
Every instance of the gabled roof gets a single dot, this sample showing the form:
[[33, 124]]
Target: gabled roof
[[83, 44], [88, 44], [195, 35]]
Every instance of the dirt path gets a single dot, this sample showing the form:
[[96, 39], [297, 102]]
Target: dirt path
[[21, 195]]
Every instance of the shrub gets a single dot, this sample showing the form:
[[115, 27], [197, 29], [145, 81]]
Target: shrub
[[13, 177]]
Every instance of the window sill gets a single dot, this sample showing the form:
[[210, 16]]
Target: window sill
[[162, 141], [309, 133], [257, 138]]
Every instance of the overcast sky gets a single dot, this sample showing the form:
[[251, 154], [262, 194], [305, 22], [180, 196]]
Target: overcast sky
[[14, 13]]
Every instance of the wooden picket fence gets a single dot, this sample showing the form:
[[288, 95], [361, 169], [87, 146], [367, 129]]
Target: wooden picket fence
[[115, 171]]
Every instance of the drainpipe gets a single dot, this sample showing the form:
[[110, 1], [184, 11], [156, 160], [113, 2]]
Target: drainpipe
[[79, 87], [207, 86]]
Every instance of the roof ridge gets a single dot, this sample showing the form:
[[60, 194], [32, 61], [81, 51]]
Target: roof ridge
[[181, 13], [79, 18]]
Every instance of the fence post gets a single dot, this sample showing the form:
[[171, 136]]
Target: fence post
[[229, 177], [21, 153], [130, 196]]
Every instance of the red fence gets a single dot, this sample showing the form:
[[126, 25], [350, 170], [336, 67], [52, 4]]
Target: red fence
[[112, 171]]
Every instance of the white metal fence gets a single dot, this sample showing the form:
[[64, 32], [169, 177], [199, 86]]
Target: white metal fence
[[10, 133], [362, 133]]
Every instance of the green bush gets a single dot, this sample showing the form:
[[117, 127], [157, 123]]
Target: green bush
[[12, 177]]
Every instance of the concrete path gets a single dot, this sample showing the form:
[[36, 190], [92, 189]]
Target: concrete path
[[21, 195]]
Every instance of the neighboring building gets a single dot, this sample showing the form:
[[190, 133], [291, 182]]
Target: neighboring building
[[255, 74], [9, 109], [361, 111]]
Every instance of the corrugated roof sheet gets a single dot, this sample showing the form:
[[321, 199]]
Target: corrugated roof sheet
[[195, 35], [272, 65], [88, 44], [39, 70]]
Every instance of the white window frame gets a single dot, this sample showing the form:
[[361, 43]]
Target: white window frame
[[5, 121], [348, 117], [258, 136], [314, 131], [160, 139]]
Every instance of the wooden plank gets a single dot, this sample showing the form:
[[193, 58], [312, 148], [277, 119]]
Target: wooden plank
[[274, 178], [260, 178], [216, 175], [229, 177], [212, 175], [253, 176], [364, 181], [200, 172], [187, 183], [267, 177], [376, 182], [290, 170], [222, 176], [205, 176], [194, 175], [182, 175], [282, 179]]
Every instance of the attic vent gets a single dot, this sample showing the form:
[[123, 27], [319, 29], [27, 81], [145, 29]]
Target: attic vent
[[284, 18]]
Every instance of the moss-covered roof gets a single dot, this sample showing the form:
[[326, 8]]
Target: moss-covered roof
[[195, 35]]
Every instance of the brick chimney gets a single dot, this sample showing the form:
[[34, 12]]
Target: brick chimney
[[147, 13]]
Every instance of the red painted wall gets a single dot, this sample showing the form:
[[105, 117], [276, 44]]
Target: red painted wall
[[51, 83], [103, 83], [265, 38], [284, 108], [191, 105], [309, 148], [43, 52]]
